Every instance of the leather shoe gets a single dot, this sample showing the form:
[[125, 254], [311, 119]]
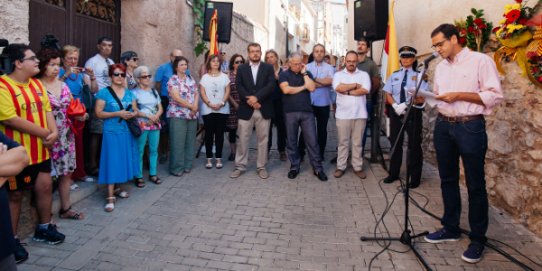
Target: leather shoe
[[361, 174], [282, 156], [263, 173], [321, 176], [236, 173], [333, 160], [292, 173], [390, 179], [338, 173]]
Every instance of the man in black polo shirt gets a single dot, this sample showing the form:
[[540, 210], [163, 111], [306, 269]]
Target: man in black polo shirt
[[296, 83], [13, 159]]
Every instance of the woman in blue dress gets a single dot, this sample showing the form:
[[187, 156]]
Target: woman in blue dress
[[119, 159]]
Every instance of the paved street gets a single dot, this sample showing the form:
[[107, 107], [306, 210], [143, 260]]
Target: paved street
[[206, 221]]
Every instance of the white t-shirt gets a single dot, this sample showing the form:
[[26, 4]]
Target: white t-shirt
[[215, 89], [351, 107], [100, 66]]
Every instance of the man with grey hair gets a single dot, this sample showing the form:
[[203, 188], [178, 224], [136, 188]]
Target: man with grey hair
[[297, 83]]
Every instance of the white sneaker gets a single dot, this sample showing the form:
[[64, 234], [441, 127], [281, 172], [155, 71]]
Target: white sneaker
[[74, 187], [88, 179]]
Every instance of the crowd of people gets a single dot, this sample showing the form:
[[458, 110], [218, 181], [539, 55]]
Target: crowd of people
[[133, 119]]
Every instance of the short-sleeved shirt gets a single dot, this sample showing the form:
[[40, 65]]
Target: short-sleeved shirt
[[6, 234], [148, 102], [30, 102], [75, 83], [163, 73], [187, 89], [395, 81], [100, 67], [351, 107], [115, 124], [299, 102], [215, 89], [320, 96]]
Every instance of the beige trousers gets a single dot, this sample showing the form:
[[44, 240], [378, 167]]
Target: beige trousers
[[244, 131], [350, 130]]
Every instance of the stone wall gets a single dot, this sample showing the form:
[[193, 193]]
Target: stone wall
[[14, 20], [154, 28], [514, 157]]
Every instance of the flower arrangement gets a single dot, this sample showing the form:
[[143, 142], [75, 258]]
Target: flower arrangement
[[515, 18], [535, 68], [474, 32]]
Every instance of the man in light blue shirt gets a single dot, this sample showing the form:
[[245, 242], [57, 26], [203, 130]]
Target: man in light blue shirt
[[320, 98]]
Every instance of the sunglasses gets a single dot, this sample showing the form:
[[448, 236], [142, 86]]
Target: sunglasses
[[119, 74], [239, 62], [135, 59], [145, 77]]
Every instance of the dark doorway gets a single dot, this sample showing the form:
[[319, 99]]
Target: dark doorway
[[76, 22]]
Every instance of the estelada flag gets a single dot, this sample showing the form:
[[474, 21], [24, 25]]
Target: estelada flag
[[213, 36], [390, 59]]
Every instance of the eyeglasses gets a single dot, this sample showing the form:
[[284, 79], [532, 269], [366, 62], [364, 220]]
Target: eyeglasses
[[145, 77], [135, 59], [119, 74], [239, 62], [31, 58], [439, 45]]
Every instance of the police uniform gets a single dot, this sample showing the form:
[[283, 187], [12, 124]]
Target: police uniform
[[397, 86]]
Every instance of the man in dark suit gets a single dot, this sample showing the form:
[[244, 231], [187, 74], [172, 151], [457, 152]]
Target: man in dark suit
[[255, 83]]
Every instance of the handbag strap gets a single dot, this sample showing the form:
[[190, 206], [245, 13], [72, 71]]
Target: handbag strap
[[115, 97]]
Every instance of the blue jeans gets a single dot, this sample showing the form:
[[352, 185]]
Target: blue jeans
[[467, 140], [154, 138], [305, 120]]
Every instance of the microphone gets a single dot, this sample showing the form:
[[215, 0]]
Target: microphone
[[430, 58]]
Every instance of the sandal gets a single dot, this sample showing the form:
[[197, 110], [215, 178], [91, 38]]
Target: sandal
[[70, 214], [209, 164], [155, 179], [110, 206], [139, 182], [218, 163], [121, 193]]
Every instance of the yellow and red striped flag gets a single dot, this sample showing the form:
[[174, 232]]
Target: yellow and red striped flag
[[213, 36], [390, 59]]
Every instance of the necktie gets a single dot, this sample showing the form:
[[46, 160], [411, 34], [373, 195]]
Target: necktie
[[402, 98]]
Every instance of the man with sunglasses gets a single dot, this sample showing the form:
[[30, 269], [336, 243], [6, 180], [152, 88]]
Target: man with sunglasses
[[225, 66], [26, 117], [468, 87]]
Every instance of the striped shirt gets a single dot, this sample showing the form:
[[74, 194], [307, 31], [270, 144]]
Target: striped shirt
[[30, 102]]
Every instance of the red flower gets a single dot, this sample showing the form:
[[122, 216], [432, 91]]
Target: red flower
[[512, 15], [519, 1], [496, 29], [470, 29], [478, 21], [462, 40], [539, 79], [462, 32], [482, 26], [522, 21]]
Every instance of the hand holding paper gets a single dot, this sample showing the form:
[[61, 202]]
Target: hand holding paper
[[399, 108]]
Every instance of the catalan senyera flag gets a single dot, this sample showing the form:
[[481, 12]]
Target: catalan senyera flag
[[390, 59], [213, 36]]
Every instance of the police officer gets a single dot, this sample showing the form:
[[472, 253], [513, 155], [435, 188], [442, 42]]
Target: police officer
[[398, 98]]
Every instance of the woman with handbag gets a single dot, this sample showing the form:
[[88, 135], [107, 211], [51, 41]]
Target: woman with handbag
[[150, 110], [81, 87], [119, 160], [183, 118], [63, 150]]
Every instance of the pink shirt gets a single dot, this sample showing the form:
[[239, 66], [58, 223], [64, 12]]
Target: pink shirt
[[468, 72]]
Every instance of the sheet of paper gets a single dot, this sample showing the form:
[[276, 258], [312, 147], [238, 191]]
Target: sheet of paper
[[429, 97]]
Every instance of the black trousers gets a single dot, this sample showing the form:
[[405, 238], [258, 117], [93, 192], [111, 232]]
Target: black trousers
[[215, 126], [413, 129], [321, 113], [278, 121]]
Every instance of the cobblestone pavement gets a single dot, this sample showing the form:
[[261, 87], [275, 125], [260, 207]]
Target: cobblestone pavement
[[206, 221]]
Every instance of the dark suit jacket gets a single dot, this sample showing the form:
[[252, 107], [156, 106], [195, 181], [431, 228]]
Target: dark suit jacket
[[263, 89]]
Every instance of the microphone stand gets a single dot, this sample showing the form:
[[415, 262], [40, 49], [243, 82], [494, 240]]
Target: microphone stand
[[406, 238]]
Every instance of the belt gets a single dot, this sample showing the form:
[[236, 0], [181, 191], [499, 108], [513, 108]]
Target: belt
[[460, 118]]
